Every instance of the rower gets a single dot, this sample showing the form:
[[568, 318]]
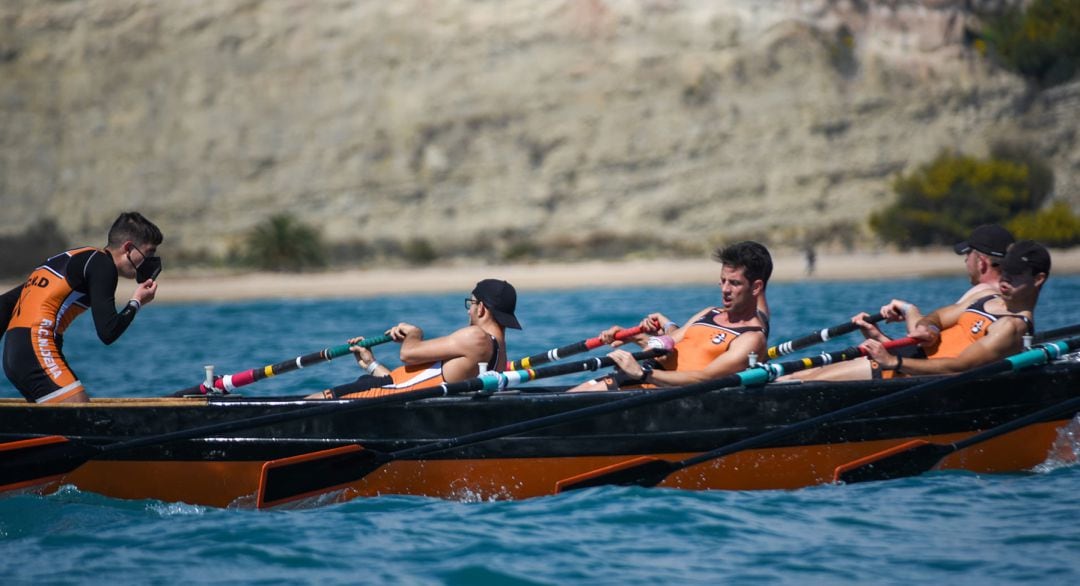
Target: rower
[[714, 342], [960, 336], [463, 354]]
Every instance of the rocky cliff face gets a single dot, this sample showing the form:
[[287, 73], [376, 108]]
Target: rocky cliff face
[[455, 120]]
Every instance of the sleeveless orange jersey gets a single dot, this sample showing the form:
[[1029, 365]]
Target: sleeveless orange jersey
[[702, 343], [970, 327]]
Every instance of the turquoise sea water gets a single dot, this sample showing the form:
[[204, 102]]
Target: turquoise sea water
[[957, 527]]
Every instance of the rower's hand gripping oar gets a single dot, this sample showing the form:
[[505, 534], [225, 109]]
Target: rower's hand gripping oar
[[308, 475], [816, 337], [568, 350], [647, 471], [230, 382], [36, 461], [918, 456]]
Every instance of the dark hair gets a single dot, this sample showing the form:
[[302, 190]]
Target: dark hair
[[748, 255], [135, 227]]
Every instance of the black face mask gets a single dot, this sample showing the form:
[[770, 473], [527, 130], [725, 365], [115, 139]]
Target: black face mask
[[149, 269]]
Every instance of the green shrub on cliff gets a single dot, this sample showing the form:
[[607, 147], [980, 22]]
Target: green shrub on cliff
[[1041, 43], [1056, 225], [282, 243], [943, 200]]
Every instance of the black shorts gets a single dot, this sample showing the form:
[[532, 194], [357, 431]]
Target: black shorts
[[36, 367]]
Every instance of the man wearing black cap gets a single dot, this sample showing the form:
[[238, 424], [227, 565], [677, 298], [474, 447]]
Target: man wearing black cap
[[983, 252], [464, 354], [958, 337]]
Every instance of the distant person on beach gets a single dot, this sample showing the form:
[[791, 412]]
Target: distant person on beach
[[464, 354], [714, 342], [960, 336], [35, 314], [811, 260]]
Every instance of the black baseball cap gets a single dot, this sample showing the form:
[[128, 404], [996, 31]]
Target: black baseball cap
[[988, 239], [1024, 256], [500, 298]]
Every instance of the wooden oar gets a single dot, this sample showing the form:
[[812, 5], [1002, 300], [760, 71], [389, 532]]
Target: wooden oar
[[649, 471], [817, 337], [39, 460], [918, 456], [230, 382], [308, 475], [568, 350]]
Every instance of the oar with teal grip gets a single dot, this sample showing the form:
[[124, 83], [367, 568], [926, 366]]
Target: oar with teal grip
[[230, 382], [648, 471]]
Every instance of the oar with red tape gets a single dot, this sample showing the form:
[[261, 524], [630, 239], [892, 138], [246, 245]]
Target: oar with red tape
[[568, 350], [230, 382], [648, 471]]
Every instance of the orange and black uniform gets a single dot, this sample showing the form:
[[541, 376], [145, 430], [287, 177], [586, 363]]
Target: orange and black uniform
[[971, 327], [407, 378], [702, 342], [36, 314]]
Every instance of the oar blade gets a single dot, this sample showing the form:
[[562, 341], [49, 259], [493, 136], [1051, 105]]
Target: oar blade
[[37, 461], [289, 479], [907, 459], [644, 471]]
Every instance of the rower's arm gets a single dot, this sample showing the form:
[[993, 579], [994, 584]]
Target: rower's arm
[[735, 359], [1004, 338], [101, 279], [471, 342], [927, 329]]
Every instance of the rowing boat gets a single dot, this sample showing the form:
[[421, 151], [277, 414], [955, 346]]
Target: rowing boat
[[225, 470]]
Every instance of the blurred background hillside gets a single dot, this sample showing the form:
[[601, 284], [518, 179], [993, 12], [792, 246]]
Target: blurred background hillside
[[297, 133]]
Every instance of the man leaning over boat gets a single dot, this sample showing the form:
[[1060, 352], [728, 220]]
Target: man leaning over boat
[[714, 342], [464, 354], [36, 313], [960, 336]]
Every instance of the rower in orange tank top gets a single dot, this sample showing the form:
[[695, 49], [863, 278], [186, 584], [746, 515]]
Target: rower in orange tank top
[[716, 341], [461, 355]]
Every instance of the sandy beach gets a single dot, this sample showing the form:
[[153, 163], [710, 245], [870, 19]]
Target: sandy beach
[[195, 285]]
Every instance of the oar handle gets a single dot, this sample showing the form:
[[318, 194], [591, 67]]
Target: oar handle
[[568, 350], [817, 337], [230, 382], [497, 381]]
